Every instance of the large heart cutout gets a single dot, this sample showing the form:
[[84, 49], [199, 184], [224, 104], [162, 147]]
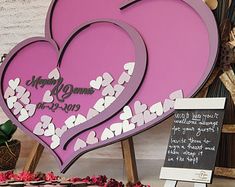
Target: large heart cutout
[[100, 49]]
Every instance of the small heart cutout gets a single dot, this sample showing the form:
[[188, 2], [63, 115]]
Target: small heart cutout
[[11, 101], [127, 126], [20, 90], [118, 89], [107, 134], [138, 119], [79, 144], [70, 122], [25, 98], [17, 108], [60, 131], [23, 115], [80, 119], [55, 141], [127, 113], [91, 138], [54, 74], [50, 131], [168, 104], [96, 83], [116, 128], [31, 108], [157, 108], [107, 79], [108, 100], [149, 116], [9, 93], [46, 120], [129, 67], [108, 90], [176, 95], [14, 83], [47, 98], [91, 113], [38, 129], [124, 78], [99, 106], [139, 107]]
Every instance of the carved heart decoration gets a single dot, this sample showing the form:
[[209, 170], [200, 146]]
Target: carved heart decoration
[[67, 71]]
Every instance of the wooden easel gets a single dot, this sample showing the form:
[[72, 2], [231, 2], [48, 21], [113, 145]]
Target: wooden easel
[[128, 156]]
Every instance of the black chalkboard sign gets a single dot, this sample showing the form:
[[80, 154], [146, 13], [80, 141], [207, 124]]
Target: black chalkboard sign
[[194, 139], [195, 136]]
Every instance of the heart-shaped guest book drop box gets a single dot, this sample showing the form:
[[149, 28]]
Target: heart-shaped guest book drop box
[[106, 70]]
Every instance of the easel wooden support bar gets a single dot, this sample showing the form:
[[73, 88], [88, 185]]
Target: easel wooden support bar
[[129, 160], [228, 129], [127, 150], [225, 172], [34, 157]]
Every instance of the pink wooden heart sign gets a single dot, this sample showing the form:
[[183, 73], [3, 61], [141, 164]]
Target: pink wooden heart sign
[[106, 70]]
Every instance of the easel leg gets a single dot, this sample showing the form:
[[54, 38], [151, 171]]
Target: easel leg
[[129, 160], [34, 158], [127, 150], [170, 183]]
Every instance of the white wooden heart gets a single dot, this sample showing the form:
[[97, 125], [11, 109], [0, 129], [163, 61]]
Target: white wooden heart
[[129, 67], [79, 144], [91, 113], [11, 101], [107, 79], [157, 108], [54, 74], [31, 108], [47, 98], [38, 129], [9, 93], [96, 83], [127, 126], [70, 122], [46, 120], [20, 90], [50, 131], [99, 106], [124, 78], [23, 115], [127, 113], [116, 128], [80, 119], [108, 100], [91, 138], [107, 134], [14, 83], [60, 131], [55, 141]]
